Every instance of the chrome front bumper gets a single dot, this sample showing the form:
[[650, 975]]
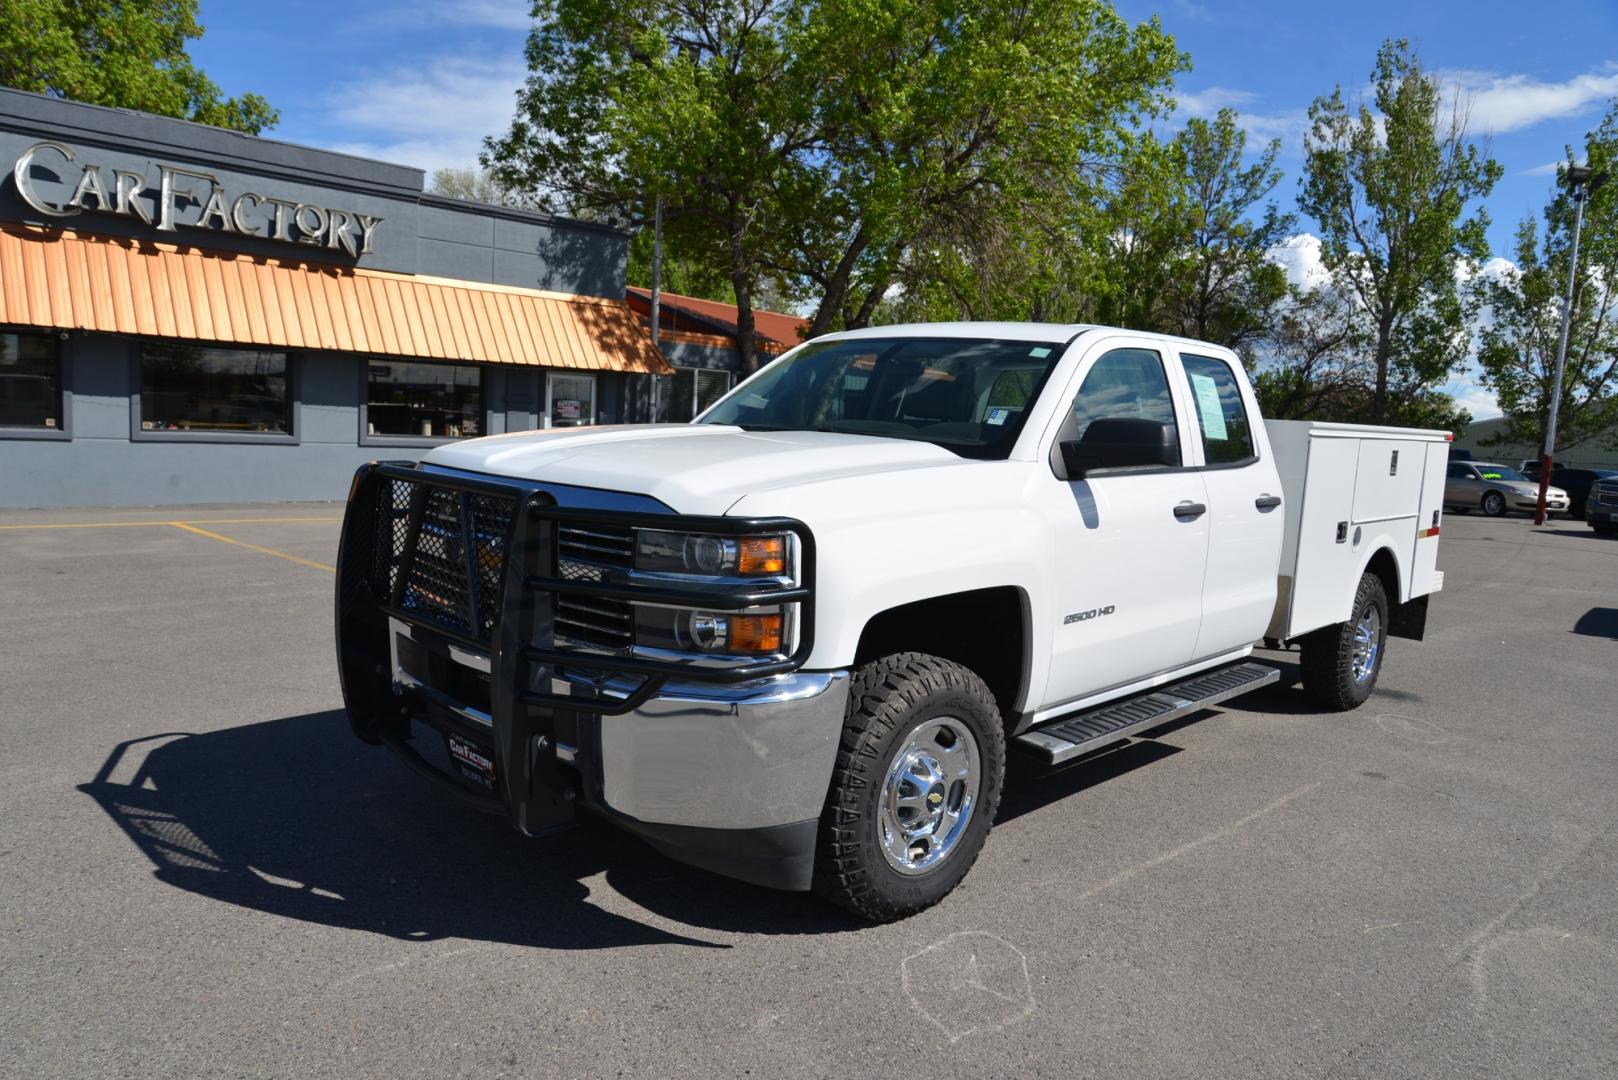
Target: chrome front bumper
[[749, 756]]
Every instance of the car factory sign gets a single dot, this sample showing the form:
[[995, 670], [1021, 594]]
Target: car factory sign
[[131, 194]]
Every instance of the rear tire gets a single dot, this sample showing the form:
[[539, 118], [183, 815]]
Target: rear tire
[[1342, 662], [915, 788], [1494, 504]]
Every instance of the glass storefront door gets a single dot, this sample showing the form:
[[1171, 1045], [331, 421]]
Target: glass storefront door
[[570, 400]]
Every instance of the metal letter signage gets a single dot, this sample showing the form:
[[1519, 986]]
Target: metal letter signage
[[178, 188]]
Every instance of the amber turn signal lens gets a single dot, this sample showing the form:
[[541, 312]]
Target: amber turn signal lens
[[755, 633], [762, 555]]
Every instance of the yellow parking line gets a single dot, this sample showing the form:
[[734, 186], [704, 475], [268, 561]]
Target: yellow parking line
[[198, 521], [252, 547]]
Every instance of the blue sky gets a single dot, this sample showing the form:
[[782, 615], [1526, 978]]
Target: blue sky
[[421, 82]]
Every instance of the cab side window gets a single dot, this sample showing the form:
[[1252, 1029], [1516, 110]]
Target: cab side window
[[1216, 397], [1124, 384]]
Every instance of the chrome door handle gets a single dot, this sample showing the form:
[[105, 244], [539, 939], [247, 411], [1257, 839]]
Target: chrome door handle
[[1267, 502], [1188, 511]]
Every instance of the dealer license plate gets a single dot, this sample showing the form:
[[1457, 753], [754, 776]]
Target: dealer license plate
[[474, 762]]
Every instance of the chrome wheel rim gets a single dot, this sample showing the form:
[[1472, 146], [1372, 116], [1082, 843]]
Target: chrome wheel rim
[[1367, 643], [1494, 503], [928, 796]]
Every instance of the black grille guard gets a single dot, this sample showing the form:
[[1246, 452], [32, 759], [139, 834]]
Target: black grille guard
[[524, 653]]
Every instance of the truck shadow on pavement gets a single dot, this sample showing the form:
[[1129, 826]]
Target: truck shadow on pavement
[[296, 818], [1598, 622]]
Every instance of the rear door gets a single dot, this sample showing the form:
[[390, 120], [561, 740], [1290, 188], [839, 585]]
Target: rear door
[[1245, 519]]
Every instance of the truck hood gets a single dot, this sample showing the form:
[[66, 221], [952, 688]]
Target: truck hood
[[692, 469]]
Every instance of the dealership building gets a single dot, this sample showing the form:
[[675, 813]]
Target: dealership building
[[188, 314]]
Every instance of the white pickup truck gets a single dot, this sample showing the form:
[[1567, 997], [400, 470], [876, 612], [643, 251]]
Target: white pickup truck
[[793, 640]]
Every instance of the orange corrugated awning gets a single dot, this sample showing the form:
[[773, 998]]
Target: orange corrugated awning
[[78, 281]]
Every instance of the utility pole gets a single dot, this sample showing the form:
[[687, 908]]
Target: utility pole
[[657, 301], [657, 267], [1580, 184]]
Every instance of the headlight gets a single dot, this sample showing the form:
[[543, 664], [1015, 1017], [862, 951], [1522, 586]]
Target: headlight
[[760, 632], [711, 556]]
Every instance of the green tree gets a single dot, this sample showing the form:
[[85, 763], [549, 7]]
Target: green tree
[[1317, 358], [475, 185], [947, 123], [1517, 353], [1226, 289], [1317, 363], [130, 54], [1390, 189], [1166, 236], [685, 271], [819, 147]]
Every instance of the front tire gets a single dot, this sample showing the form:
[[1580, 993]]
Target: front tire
[[915, 788], [1341, 662], [1494, 504]]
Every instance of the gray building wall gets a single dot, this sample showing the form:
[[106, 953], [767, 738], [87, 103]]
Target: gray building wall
[[418, 234], [1599, 452]]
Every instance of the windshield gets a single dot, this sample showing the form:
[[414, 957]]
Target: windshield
[[1499, 472], [968, 395]]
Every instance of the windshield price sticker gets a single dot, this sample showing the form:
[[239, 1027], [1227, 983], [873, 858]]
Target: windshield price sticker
[[1213, 417]]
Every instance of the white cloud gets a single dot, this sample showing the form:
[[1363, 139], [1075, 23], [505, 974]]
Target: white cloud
[[1474, 398], [1503, 103], [434, 116], [497, 14], [1550, 168], [1208, 102], [1299, 256], [1288, 125]]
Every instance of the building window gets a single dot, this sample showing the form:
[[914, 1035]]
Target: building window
[[195, 388], [30, 381], [689, 392], [571, 400], [435, 401]]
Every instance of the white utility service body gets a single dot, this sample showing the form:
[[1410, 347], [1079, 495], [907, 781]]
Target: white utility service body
[[1353, 490], [1053, 537]]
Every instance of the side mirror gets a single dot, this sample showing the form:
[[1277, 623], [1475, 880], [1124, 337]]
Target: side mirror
[[1121, 443]]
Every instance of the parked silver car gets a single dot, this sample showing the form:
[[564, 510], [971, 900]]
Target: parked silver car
[[1601, 510], [1496, 490]]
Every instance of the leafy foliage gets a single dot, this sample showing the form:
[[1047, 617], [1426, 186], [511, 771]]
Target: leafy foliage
[[476, 185], [823, 146], [130, 54], [1390, 190], [1518, 350]]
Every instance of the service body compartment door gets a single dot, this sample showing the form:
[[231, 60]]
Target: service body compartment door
[[1424, 577], [1388, 479], [1327, 567]]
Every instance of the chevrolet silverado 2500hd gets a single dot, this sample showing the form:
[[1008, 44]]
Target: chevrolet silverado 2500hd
[[792, 640]]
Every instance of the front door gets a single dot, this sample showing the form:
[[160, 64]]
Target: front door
[[1462, 486], [1131, 543], [1245, 517]]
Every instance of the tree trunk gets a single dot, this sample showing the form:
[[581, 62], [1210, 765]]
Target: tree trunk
[[1384, 348], [837, 285], [741, 280]]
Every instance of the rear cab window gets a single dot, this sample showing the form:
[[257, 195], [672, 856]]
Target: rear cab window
[[1222, 420]]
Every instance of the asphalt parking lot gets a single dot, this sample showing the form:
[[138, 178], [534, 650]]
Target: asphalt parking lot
[[203, 874]]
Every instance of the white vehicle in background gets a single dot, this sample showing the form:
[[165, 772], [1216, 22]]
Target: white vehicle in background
[[793, 640]]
